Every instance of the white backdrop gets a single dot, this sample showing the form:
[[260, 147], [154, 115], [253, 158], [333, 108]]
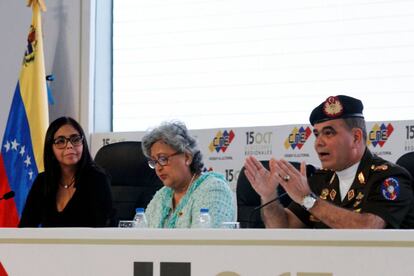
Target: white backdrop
[[225, 149]]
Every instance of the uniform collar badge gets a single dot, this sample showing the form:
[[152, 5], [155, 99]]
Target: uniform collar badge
[[361, 178], [324, 194], [359, 196], [351, 194], [332, 194], [332, 179]]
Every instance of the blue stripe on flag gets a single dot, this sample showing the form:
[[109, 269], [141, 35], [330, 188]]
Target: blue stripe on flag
[[17, 152]]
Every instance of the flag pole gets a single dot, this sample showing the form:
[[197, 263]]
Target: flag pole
[[41, 4]]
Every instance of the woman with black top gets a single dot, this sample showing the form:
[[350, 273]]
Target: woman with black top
[[72, 191]]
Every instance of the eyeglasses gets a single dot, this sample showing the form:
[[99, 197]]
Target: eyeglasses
[[62, 141], [162, 160]]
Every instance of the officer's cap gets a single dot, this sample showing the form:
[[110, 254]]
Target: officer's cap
[[337, 107]]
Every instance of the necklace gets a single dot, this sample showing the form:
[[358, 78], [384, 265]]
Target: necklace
[[176, 200], [67, 186]]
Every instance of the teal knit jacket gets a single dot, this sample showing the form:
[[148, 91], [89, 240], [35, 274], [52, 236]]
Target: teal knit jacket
[[210, 190]]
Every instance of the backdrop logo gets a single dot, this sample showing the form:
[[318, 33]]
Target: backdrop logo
[[379, 134], [297, 138], [209, 169], [222, 141], [232, 174], [258, 143], [409, 138]]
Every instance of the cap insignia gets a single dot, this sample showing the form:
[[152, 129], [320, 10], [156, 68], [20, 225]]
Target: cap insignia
[[332, 107]]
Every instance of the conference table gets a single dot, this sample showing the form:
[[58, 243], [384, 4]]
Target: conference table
[[223, 252]]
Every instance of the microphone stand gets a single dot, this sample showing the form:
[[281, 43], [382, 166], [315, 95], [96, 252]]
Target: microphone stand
[[249, 222], [7, 195]]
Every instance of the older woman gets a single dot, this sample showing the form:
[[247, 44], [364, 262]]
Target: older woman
[[174, 155], [72, 191]]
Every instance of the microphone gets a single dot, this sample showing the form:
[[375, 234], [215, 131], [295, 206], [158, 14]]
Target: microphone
[[8, 195], [264, 205]]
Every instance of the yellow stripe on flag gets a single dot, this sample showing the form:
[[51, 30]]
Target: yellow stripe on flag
[[33, 88]]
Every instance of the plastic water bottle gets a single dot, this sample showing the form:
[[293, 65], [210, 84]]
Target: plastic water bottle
[[204, 219], [140, 219]]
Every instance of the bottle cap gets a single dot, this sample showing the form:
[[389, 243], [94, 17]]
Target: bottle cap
[[204, 210], [139, 210]]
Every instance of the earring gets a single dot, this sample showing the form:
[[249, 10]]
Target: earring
[[187, 163]]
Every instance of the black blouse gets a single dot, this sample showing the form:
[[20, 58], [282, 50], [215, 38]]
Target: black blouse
[[90, 205]]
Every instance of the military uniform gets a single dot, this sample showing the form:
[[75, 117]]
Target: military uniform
[[380, 188]]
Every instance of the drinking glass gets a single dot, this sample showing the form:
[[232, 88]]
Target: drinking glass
[[230, 225], [126, 224]]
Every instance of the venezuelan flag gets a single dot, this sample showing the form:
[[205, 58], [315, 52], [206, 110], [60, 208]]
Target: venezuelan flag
[[21, 155]]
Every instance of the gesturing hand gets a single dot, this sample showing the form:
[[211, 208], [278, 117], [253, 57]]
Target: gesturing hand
[[263, 181], [293, 181]]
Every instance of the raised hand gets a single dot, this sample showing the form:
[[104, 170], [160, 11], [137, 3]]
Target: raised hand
[[262, 180], [293, 181]]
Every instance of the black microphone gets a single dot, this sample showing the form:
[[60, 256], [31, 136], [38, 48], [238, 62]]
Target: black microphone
[[8, 195], [263, 205]]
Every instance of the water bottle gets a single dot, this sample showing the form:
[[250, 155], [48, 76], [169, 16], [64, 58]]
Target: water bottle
[[204, 219], [140, 219]]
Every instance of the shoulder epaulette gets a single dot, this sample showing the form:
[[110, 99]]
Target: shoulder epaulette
[[382, 167]]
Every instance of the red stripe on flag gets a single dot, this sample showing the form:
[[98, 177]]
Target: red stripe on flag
[[3, 271], [8, 211]]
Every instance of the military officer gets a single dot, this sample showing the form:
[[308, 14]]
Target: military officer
[[354, 188]]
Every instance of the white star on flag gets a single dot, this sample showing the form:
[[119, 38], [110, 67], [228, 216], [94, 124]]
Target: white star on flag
[[22, 150], [14, 144], [27, 161], [30, 174], [7, 146]]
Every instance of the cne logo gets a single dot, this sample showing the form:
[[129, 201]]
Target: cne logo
[[221, 141], [379, 134], [298, 137], [29, 54]]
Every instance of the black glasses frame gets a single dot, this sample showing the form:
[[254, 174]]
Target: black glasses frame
[[162, 160], [61, 142]]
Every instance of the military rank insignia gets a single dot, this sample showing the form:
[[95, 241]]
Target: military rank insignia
[[332, 195], [324, 194], [361, 178], [390, 188], [379, 168], [358, 199], [351, 194]]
